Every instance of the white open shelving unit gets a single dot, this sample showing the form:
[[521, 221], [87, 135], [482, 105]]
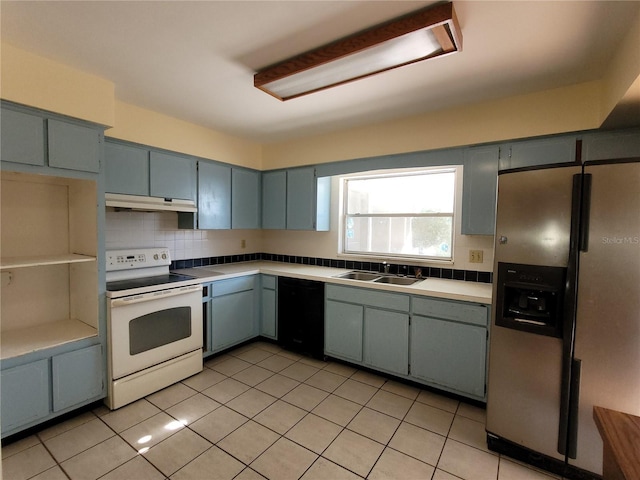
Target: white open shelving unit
[[48, 268]]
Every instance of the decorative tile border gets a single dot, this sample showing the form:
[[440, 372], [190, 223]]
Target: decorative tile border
[[395, 268]]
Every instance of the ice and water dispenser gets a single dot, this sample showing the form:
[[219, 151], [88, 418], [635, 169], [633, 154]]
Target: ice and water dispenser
[[530, 298]]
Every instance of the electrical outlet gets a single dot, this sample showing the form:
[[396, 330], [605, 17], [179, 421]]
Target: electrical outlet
[[243, 243], [475, 256]]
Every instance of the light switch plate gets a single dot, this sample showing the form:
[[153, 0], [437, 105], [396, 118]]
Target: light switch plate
[[475, 256]]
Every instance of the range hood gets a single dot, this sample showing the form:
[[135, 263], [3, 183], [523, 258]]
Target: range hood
[[149, 204]]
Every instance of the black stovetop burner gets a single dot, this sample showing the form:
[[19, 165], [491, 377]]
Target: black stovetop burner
[[119, 285]]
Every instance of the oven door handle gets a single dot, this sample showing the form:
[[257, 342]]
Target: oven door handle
[[149, 297]]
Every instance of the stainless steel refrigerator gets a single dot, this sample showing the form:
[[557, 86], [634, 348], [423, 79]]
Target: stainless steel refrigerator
[[565, 333]]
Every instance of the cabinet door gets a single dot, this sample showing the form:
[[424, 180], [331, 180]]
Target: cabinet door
[[74, 147], [268, 320], [172, 176], [233, 319], [343, 330], [214, 196], [611, 145], [126, 169], [301, 199], [77, 377], [22, 138], [25, 394], [479, 191], [245, 198], [386, 340], [449, 354], [274, 200], [545, 151]]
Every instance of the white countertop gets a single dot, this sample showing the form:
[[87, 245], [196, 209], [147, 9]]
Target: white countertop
[[432, 287]]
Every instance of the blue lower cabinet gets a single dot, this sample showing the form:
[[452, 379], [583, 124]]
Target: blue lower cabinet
[[25, 395], [43, 389], [233, 312], [343, 330], [269, 308], [386, 345], [77, 377], [449, 354], [436, 342]]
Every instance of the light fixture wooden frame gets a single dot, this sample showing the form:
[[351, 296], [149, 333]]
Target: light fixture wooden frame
[[440, 20]]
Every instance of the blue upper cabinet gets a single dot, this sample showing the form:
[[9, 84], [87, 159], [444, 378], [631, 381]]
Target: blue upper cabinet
[[22, 138], [301, 201], [540, 151], [214, 196], [34, 138], [611, 145], [126, 169], [172, 176], [479, 190], [296, 199], [74, 147], [245, 199], [274, 200]]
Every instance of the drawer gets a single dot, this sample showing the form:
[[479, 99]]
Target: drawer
[[460, 312], [368, 297], [269, 281], [232, 285]]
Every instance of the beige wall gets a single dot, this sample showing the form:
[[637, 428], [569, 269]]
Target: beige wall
[[139, 125], [38, 82], [624, 69], [544, 113]]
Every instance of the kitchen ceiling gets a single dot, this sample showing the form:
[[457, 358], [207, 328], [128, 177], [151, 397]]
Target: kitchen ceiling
[[196, 60]]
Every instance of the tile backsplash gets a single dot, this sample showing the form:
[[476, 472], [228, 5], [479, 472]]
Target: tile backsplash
[[128, 229], [192, 248]]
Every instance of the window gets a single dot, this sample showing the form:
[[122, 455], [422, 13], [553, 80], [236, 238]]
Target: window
[[401, 214]]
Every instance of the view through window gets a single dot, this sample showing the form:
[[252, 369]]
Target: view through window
[[400, 214]]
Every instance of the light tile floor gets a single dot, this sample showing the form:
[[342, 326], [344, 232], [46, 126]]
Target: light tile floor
[[263, 412]]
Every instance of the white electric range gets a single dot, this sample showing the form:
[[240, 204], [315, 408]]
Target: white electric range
[[154, 323]]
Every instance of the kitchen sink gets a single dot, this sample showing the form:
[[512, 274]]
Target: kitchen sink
[[378, 278], [397, 280], [365, 276]]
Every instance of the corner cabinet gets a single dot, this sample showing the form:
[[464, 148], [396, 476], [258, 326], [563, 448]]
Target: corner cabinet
[[53, 319], [295, 199]]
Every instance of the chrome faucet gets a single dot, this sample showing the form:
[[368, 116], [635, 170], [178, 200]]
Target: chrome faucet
[[385, 267]]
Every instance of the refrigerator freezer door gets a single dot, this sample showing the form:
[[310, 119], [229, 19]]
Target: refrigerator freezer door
[[533, 222], [608, 314], [523, 403]]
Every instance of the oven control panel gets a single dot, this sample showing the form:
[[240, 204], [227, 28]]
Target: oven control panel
[[137, 258]]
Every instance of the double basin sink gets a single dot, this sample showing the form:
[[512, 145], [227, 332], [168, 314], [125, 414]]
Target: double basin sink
[[379, 278]]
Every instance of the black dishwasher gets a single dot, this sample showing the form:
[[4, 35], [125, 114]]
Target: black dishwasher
[[301, 316]]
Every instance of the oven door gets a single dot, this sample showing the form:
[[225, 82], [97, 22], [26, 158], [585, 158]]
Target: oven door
[[147, 329]]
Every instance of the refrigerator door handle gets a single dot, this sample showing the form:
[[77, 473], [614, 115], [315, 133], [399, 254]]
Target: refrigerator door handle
[[572, 431], [585, 213], [569, 315]]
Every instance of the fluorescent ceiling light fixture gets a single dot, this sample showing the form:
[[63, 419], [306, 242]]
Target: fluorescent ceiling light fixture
[[428, 33]]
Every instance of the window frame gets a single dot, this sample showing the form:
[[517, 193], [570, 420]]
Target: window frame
[[395, 173]]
